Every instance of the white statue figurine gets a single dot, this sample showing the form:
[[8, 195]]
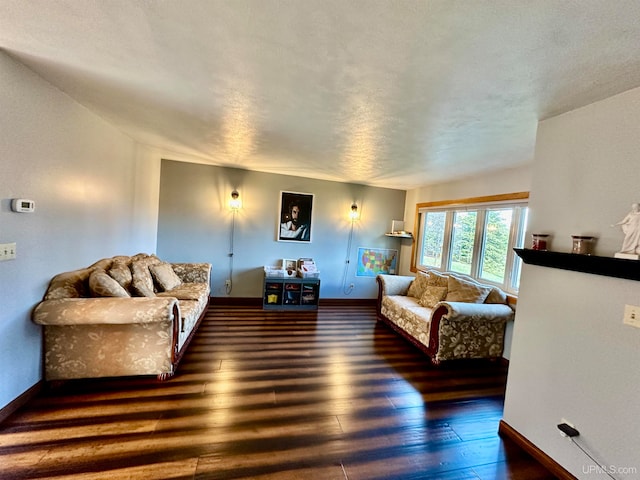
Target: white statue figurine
[[631, 229]]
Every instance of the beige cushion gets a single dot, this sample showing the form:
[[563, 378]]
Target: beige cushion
[[141, 256], [102, 285], [438, 279], [69, 285], [102, 264], [416, 289], [165, 277], [465, 291], [432, 295], [121, 273], [496, 296], [142, 283], [188, 291]]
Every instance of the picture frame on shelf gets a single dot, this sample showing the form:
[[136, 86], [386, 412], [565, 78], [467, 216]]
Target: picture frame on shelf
[[289, 267]]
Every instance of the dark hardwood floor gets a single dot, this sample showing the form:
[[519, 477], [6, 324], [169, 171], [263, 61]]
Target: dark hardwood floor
[[270, 395]]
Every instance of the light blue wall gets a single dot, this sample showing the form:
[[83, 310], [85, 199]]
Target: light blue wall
[[195, 225], [96, 196]]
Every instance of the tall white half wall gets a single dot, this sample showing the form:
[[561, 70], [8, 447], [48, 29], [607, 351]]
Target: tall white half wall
[[572, 357], [96, 195]]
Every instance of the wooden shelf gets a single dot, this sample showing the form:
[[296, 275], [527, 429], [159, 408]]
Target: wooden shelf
[[607, 266], [399, 235]]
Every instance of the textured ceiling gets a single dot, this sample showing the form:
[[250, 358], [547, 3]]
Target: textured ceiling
[[391, 93]]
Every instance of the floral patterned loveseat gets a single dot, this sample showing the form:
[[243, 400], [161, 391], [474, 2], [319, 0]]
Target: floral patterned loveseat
[[447, 315], [122, 316]]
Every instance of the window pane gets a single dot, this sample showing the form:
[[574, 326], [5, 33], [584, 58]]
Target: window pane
[[517, 261], [496, 245], [433, 239], [464, 232]]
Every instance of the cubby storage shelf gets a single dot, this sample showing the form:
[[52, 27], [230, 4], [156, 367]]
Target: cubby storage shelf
[[607, 266], [291, 293]]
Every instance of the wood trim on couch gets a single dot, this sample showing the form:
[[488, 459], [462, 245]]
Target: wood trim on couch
[[507, 431], [176, 355]]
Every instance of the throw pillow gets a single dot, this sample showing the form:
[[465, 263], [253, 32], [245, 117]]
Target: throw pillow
[[416, 289], [432, 295], [464, 291], [438, 279], [496, 296], [121, 273], [102, 285], [164, 276], [142, 283]]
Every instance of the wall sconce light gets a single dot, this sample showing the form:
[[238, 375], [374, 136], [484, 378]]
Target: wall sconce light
[[354, 215], [354, 212], [235, 203]]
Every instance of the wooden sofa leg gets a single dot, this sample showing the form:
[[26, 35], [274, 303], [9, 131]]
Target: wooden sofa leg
[[163, 377]]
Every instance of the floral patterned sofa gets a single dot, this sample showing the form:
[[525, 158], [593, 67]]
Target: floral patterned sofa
[[122, 316], [447, 315]]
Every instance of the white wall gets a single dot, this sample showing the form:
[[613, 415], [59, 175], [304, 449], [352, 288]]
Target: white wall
[[195, 225], [96, 195], [572, 357]]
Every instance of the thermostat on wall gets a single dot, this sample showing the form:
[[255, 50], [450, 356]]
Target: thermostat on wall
[[23, 205]]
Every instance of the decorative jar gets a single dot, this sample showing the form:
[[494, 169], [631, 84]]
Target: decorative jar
[[583, 244], [539, 241]]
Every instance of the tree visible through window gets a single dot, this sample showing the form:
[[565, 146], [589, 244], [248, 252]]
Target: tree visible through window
[[464, 232], [434, 239], [475, 240], [496, 245]]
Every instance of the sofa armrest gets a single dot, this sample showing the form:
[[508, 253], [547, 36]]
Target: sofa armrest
[[470, 312], [391, 285], [394, 284], [106, 310], [468, 330], [193, 272]]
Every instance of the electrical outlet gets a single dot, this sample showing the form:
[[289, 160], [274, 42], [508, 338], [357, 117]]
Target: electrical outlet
[[227, 283], [631, 315], [351, 285], [564, 420]]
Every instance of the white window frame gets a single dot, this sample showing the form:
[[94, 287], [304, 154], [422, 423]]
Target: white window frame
[[518, 201]]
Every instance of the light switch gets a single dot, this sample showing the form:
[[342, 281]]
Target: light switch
[[632, 315], [7, 251]]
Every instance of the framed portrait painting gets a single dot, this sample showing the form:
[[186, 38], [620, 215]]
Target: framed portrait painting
[[294, 221]]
